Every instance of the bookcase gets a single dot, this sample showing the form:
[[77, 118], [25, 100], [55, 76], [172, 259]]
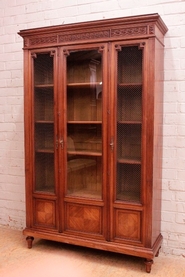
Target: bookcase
[[93, 134]]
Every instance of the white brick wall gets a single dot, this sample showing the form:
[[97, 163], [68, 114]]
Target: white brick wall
[[21, 14]]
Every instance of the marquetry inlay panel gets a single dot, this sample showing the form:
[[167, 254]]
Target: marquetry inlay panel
[[83, 218], [45, 213], [128, 225]]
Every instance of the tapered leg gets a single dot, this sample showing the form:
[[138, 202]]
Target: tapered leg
[[148, 264], [29, 241]]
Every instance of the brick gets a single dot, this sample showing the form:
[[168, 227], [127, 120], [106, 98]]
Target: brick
[[169, 164], [168, 206], [180, 196], [180, 218], [175, 185], [170, 130], [168, 216], [171, 42], [172, 64], [174, 8]]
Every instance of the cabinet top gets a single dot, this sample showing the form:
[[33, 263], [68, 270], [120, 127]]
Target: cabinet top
[[131, 27]]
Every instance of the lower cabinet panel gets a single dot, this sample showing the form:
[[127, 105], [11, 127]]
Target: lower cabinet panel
[[45, 213], [81, 218], [127, 225]]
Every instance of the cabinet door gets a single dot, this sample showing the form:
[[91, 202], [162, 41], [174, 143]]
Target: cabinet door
[[84, 137], [128, 133], [44, 137]]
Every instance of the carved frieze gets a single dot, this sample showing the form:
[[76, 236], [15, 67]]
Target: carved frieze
[[84, 36], [43, 40], [132, 31]]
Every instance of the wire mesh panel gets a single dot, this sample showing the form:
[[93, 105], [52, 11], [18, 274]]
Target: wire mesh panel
[[84, 124], [129, 124], [44, 122]]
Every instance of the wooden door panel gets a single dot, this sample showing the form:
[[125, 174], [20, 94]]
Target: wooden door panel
[[127, 225], [81, 218]]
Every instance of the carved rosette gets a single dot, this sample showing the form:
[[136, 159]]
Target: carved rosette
[[84, 36], [132, 31], [43, 40]]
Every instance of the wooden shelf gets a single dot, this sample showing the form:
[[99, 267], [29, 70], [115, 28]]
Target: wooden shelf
[[83, 84], [85, 193], [129, 122], [84, 122], [44, 121], [128, 196], [44, 86], [85, 153], [130, 85], [44, 151], [129, 161]]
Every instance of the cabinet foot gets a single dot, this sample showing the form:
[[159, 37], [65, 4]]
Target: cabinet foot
[[148, 264], [29, 241], [157, 254]]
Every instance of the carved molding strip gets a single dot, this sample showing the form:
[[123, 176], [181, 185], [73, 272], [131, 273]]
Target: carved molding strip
[[43, 40], [132, 31], [84, 36], [151, 29]]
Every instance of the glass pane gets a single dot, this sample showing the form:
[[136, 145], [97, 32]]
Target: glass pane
[[44, 172], [84, 124], [44, 122], [129, 124]]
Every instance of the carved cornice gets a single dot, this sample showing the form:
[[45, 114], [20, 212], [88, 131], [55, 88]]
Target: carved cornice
[[119, 32], [100, 30], [83, 36]]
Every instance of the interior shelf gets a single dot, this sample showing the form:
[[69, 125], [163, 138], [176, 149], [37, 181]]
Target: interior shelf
[[128, 196], [85, 193], [84, 153], [129, 161], [130, 85], [44, 150], [84, 122], [88, 84], [44, 121], [129, 122], [44, 86]]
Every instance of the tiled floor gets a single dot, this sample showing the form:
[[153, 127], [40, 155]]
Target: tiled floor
[[52, 259]]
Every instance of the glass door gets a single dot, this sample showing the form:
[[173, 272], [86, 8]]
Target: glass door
[[129, 124], [43, 84], [84, 124], [126, 209]]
